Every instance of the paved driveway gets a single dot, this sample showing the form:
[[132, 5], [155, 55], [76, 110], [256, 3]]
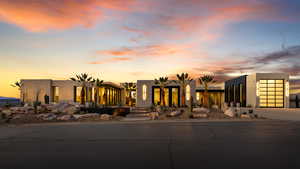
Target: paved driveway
[[180, 145]]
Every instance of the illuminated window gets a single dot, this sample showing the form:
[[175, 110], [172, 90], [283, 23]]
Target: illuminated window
[[175, 96], [56, 94], [188, 92], [78, 94], [166, 90], [270, 93], [157, 96], [144, 92], [198, 96]]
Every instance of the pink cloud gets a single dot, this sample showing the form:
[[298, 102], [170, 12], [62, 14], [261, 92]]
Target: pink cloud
[[110, 60], [39, 15], [149, 50]]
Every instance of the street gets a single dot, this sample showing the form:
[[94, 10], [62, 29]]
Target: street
[[173, 145]]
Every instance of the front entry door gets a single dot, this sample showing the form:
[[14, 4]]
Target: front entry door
[[172, 96]]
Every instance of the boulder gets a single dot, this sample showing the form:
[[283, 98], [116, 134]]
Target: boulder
[[18, 116], [201, 109], [199, 115], [174, 113], [230, 112], [153, 115], [246, 116], [47, 116], [105, 117], [7, 112], [83, 116], [215, 106], [70, 110], [65, 117]]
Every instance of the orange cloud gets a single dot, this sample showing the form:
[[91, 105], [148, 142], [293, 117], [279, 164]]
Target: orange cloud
[[119, 59], [39, 15], [149, 50]]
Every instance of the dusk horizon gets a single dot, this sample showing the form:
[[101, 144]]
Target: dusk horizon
[[130, 40]]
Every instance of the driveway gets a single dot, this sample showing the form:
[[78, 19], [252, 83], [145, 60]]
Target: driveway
[[180, 145]]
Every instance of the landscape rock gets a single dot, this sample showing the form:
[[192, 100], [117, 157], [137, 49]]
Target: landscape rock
[[105, 117], [201, 109], [199, 115], [18, 116], [215, 106], [7, 112], [174, 113], [70, 110], [83, 116], [246, 116], [230, 112], [153, 115], [65, 117], [47, 116]]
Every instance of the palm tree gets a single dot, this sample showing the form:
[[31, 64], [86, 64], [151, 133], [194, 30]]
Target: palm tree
[[183, 80], [97, 84], [83, 79], [162, 82], [205, 80], [129, 87], [19, 85]]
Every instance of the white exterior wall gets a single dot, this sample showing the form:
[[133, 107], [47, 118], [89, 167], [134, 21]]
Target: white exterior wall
[[66, 90], [251, 86], [251, 98], [139, 93], [30, 89]]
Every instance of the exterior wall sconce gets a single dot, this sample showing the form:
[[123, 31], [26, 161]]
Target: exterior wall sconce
[[198, 96], [188, 92], [257, 89], [144, 92], [287, 89]]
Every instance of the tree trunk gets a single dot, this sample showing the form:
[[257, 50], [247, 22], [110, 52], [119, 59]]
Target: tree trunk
[[129, 97], [183, 97], [96, 97], [206, 104], [163, 96], [82, 96]]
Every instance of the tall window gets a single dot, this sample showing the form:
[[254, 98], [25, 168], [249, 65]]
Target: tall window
[[56, 94], [166, 96], [271, 93], [144, 92], [175, 96], [157, 96], [78, 94], [188, 92]]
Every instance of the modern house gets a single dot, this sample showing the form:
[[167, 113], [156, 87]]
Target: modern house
[[260, 90], [69, 91]]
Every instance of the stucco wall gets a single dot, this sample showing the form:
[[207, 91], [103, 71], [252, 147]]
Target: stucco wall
[[31, 88], [66, 90], [251, 90]]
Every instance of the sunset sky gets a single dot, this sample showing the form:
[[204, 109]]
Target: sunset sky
[[127, 40]]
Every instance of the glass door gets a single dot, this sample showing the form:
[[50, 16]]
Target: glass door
[[271, 93]]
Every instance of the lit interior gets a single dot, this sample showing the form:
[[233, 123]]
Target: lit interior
[[271, 93]]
